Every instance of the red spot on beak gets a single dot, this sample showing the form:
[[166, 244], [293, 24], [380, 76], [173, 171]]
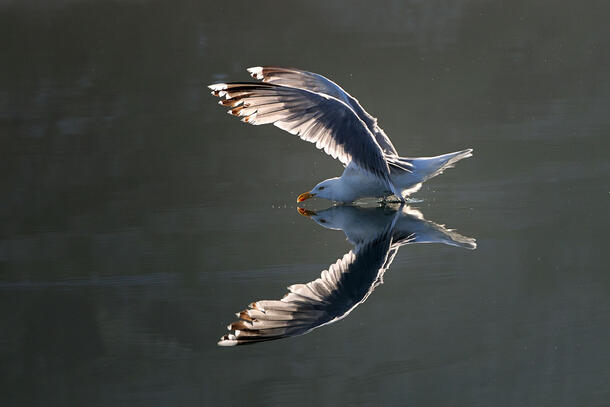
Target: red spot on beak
[[304, 196], [305, 212]]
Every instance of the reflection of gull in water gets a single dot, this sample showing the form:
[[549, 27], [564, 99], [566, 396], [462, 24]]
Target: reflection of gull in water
[[321, 112], [377, 234], [360, 224]]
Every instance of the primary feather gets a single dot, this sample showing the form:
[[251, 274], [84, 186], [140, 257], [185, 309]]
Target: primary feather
[[315, 117], [314, 82]]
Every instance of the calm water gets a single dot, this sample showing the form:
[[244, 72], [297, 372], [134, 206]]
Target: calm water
[[137, 217]]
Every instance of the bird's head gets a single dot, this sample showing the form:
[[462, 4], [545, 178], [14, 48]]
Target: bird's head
[[327, 189], [326, 218]]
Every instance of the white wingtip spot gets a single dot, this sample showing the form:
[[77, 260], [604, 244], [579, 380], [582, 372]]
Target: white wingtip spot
[[218, 86], [256, 72], [228, 340], [257, 305], [249, 119]]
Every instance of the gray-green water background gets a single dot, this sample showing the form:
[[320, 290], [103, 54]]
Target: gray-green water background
[[136, 217]]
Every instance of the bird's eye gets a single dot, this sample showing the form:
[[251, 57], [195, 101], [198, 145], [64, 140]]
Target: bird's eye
[[321, 188], [322, 221]]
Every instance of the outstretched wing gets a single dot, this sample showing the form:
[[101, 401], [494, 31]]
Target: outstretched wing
[[314, 82], [315, 117], [345, 285]]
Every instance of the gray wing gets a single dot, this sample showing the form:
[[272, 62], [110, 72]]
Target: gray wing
[[345, 285], [315, 117], [317, 83]]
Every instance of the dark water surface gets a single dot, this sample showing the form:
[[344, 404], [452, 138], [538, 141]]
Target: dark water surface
[[137, 217]]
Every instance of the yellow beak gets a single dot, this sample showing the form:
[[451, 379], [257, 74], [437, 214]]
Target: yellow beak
[[306, 212], [304, 196]]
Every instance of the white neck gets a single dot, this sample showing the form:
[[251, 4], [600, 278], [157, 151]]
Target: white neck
[[337, 189]]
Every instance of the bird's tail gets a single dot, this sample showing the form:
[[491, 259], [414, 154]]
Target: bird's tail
[[428, 167]]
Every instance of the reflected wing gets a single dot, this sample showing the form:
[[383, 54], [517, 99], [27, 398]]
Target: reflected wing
[[331, 297], [319, 84], [318, 118]]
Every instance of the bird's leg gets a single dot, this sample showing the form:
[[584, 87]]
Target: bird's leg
[[389, 199], [397, 199], [397, 193]]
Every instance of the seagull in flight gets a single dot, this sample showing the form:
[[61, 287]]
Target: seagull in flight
[[318, 110], [376, 234]]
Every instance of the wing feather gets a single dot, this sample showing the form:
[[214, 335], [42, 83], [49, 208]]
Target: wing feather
[[318, 118], [317, 83], [339, 289]]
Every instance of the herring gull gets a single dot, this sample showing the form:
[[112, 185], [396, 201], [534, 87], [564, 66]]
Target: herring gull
[[321, 112]]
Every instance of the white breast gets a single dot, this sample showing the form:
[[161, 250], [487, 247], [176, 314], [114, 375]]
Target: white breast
[[362, 183]]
